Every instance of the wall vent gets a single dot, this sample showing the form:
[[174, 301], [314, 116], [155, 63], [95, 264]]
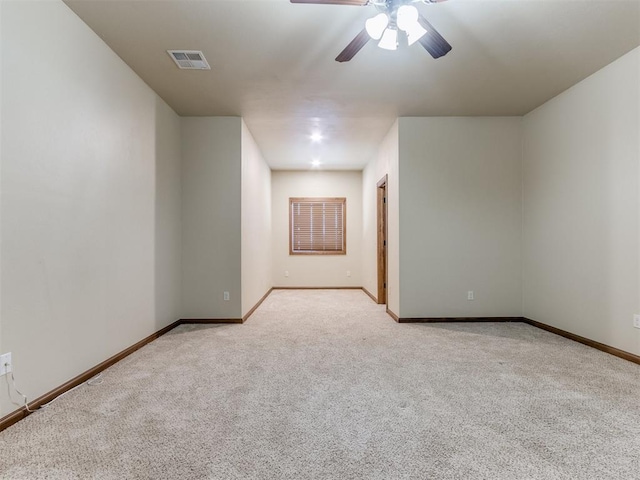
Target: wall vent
[[189, 59]]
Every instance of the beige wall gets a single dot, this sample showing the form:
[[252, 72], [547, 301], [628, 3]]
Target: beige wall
[[83, 199], [316, 270], [168, 225], [2, 397], [460, 216], [256, 223], [581, 207], [211, 228], [384, 163]]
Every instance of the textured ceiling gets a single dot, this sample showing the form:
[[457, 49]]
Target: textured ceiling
[[273, 63]]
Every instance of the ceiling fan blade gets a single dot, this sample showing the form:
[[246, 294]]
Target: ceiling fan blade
[[432, 41], [357, 3], [354, 47]]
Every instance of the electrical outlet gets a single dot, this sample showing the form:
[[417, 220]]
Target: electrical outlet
[[470, 295], [226, 296], [5, 364], [286, 273], [636, 321], [348, 273]]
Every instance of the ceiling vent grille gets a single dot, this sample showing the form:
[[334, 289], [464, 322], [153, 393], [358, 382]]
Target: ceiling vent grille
[[189, 59]]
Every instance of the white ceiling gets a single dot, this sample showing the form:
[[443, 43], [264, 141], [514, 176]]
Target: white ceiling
[[273, 63]]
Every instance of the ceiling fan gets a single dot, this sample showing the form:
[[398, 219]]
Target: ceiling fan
[[393, 15]]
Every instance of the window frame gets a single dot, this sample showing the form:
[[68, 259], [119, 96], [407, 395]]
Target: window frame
[[342, 200]]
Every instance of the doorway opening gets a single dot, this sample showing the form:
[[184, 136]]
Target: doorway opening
[[382, 240]]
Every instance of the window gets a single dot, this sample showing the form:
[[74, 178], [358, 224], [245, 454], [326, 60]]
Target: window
[[317, 226]]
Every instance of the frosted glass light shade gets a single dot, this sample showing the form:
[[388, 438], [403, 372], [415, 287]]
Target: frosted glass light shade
[[407, 16], [408, 22], [415, 33], [375, 25], [389, 39]]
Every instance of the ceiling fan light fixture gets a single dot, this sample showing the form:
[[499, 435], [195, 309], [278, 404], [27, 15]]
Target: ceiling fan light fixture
[[415, 34], [389, 39], [375, 25], [407, 15], [408, 22]]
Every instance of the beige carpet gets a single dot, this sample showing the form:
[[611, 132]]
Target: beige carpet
[[324, 385]]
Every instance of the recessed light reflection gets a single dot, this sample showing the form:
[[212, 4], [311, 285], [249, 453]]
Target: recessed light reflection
[[316, 137], [315, 162]]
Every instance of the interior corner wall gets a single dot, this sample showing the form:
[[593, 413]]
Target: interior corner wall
[[211, 217], [3, 400], [81, 183], [460, 216], [384, 163], [582, 207], [256, 223], [316, 270], [168, 223]]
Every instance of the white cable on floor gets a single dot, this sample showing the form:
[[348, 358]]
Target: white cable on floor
[[91, 382], [13, 383]]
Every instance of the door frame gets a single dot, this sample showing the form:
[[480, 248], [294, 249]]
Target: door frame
[[383, 244]]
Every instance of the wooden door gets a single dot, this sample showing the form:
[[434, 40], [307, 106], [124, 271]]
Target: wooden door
[[382, 240]]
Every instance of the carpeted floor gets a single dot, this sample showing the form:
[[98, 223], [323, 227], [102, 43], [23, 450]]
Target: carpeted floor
[[323, 384]]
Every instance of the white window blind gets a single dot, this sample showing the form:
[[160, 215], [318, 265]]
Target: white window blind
[[317, 226]]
